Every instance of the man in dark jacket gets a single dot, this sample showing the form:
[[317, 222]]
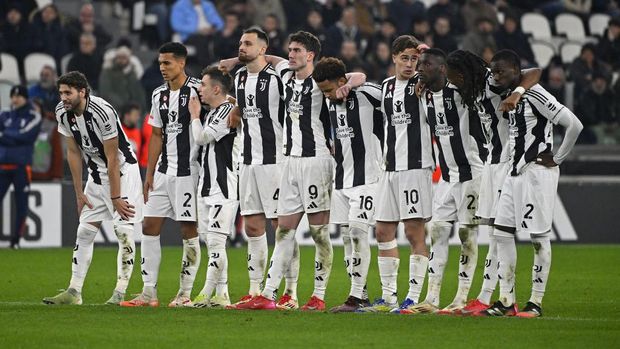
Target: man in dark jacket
[[18, 131]]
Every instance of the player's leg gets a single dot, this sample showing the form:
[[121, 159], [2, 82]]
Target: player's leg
[[124, 232], [418, 261], [21, 186], [289, 300]]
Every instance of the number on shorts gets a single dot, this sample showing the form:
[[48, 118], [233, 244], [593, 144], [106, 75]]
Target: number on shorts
[[276, 194], [189, 197], [411, 197], [313, 191], [530, 209], [470, 205], [218, 208], [365, 202]]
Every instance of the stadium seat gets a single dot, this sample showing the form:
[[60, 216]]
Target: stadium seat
[[569, 51], [10, 69], [33, 64], [598, 22], [543, 52], [5, 95], [64, 63], [570, 25], [536, 25]]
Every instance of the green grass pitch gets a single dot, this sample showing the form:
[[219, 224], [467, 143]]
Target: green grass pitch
[[581, 308]]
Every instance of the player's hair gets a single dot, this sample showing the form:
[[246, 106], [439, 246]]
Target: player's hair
[[259, 33], [474, 70], [508, 56], [404, 42], [219, 77], [436, 52], [74, 79], [177, 49], [307, 40], [329, 69]]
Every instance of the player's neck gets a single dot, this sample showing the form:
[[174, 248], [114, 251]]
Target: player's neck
[[256, 65], [177, 82], [79, 111], [438, 84], [304, 72], [217, 101]]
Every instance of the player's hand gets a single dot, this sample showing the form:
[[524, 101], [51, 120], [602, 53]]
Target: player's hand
[[82, 201], [510, 102], [422, 47], [343, 91], [194, 108], [234, 118], [226, 65], [148, 186], [546, 159], [419, 88], [124, 208]]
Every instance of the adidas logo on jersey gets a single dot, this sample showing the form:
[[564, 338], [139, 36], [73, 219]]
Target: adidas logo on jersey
[[363, 216], [312, 205], [186, 214], [216, 225], [412, 210]]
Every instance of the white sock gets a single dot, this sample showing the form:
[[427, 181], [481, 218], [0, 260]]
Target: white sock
[[540, 270], [323, 258], [292, 274], [440, 234], [125, 256], [280, 261], [489, 280], [221, 289], [151, 258], [360, 258], [467, 262], [189, 265], [348, 248], [82, 254], [218, 261], [417, 271], [388, 272], [507, 257], [257, 260]]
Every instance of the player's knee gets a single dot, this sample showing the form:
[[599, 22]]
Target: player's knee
[[385, 231], [254, 226], [284, 234], [467, 232], [86, 232], [440, 232], [189, 230], [124, 232], [216, 241]]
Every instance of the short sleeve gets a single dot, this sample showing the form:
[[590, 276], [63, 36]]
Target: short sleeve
[[218, 126], [283, 70], [155, 118], [544, 102], [107, 123], [62, 128]]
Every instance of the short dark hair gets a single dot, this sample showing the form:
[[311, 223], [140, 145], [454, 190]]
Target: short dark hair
[[307, 40], [329, 69], [404, 42], [259, 33], [436, 52], [177, 49], [74, 79], [221, 78], [508, 56]]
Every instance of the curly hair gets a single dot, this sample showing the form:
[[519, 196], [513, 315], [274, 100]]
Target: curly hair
[[74, 79], [474, 70], [329, 69]]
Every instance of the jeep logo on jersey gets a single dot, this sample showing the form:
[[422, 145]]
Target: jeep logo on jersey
[[172, 116], [263, 84], [250, 100], [399, 106], [342, 117], [297, 95]]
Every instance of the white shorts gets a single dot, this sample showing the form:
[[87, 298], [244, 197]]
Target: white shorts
[[217, 214], [527, 200], [456, 201], [259, 189], [491, 182], [354, 204], [305, 185], [99, 197], [173, 197], [404, 195]]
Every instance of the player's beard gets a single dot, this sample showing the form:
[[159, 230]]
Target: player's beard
[[245, 58]]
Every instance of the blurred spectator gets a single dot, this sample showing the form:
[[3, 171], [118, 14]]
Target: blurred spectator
[[47, 157], [369, 14], [331, 11], [130, 121], [271, 26], [421, 28], [118, 83], [477, 40], [350, 57], [579, 7], [380, 62], [345, 29], [86, 24], [447, 9], [442, 36], [88, 60], [195, 17], [151, 79], [556, 82], [159, 8], [50, 36], [314, 24], [509, 36], [19, 128], [608, 47], [473, 10], [296, 12], [45, 93], [405, 12], [18, 35], [596, 109], [134, 61], [585, 66], [226, 42], [487, 54], [261, 9]]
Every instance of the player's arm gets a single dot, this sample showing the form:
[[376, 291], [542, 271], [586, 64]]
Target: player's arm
[[201, 137], [74, 158], [155, 145], [529, 78], [353, 80], [573, 127], [124, 209]]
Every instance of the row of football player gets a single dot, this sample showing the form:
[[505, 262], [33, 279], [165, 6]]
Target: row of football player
[[393, 122]]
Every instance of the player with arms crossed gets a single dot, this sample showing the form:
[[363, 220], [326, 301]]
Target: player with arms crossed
[[113, 191], [528, 195], [170, 190], [358, 127]]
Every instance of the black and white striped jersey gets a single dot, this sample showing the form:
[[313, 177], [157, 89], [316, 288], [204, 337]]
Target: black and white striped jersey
[[494, 122], [170, 112], [407, 142], [260, 98], [98, 123], [306, 123], [457, 132], [217, 174], [531, 127], [358, 130]]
